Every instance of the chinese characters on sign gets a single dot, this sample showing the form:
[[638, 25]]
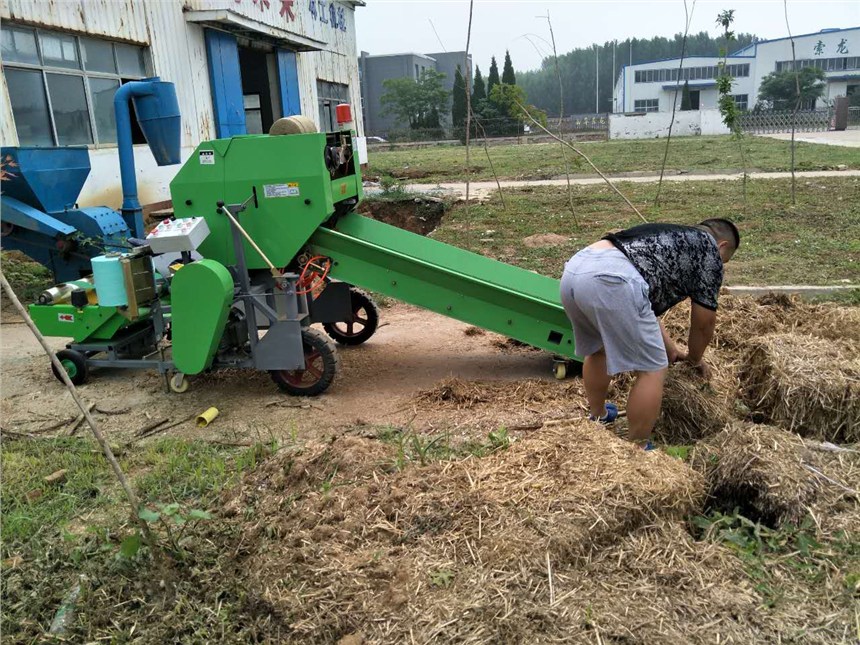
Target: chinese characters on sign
[[841, 48], [329, 13], [286, 7]]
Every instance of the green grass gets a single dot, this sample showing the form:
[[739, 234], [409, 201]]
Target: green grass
[[53, 534], [816, 242], [544, 161], [27, 278]]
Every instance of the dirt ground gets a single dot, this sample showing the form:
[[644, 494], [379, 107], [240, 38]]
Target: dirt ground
[[378, 386]]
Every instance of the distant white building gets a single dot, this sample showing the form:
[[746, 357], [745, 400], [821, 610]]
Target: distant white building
[[650, 86]]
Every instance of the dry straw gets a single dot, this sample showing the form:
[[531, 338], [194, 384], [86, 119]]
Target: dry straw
[[808, 385], [451, 552], [692, 407], [759, 469]]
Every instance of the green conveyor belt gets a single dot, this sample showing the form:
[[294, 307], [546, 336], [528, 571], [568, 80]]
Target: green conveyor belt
[[448, 280]]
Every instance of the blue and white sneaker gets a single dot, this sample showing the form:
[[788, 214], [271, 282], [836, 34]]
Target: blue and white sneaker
[[648, 446], [609, 417]]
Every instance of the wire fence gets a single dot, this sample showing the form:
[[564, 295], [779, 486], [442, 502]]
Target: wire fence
[[776, 121], [496, 128]]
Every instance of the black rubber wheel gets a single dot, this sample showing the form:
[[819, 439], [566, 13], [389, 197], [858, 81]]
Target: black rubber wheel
[[75, 364], [365, 320], [321, 366]]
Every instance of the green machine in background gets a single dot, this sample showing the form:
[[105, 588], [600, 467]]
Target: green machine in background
[[281, 247]]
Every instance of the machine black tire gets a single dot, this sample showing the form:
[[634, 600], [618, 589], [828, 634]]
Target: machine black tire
[[321, 363], [75, 364], [344, 333]]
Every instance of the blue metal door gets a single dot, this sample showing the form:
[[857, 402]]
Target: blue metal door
[[288, 77], [225, 78]]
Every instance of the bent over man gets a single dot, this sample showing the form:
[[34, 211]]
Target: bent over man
[[613, 292]]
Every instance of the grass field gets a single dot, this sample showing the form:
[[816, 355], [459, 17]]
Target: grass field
[[544, 160], [816, 242]]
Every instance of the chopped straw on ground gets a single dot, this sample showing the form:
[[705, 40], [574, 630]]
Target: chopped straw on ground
[[758, 469], [808, 385], [740, 319], [455, 551], [692, 407]]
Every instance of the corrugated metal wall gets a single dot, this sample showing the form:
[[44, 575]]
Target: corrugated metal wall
[[178, 54], [117, 19]]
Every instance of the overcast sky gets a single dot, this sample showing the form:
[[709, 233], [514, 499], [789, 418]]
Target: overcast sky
[[395, 26]]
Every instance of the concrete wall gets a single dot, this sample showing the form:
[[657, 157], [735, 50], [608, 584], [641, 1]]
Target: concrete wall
[[655, 125], [377, 69]]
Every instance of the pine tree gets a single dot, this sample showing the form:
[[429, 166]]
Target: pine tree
[[458, 105], [493, 78], [686, 103], [479, 90], [508, 76]]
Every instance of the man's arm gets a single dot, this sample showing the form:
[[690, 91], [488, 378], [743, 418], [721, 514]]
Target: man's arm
[[673, 354], [702, 323]]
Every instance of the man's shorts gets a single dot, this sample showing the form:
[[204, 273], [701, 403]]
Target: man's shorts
[[606, 300]]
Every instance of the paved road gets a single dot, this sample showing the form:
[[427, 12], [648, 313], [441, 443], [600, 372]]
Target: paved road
[[482, 189], [847, 138]]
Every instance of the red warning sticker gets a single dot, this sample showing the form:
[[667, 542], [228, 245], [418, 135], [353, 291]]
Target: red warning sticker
[[70, 318]]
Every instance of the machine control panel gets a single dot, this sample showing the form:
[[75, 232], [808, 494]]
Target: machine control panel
[[176, 235]]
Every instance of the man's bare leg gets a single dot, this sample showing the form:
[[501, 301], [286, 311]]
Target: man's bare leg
[[643, 404], [596, 382]]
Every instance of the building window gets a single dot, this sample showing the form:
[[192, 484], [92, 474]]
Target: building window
[[61, 87], [646, 105], [741, 101], [689, 73], [838, 64], [329, 95]]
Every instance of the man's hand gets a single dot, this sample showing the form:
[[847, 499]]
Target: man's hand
[[674, 354], [703, 369]]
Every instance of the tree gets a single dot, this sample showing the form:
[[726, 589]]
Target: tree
[[779, 89], [417, 103], [493, 79], [458, 104], [479, 90], [508, 76], [686, 103]]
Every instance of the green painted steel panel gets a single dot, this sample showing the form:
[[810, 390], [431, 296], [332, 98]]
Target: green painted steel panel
[[201, 295], [295, 193], [91, 322], [450, 281]]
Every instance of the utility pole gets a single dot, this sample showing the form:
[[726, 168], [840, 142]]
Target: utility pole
[[614, 73], [596, 79]]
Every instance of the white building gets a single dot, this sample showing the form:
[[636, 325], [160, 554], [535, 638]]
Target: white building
[[238, 66], [651, 86]]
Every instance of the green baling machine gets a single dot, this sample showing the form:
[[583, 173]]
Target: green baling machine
[[265, 243]]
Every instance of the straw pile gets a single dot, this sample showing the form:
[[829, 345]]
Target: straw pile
[[740, 319], [808, 385], [758, 469], [455, 551], [464, 395], [694, 408]]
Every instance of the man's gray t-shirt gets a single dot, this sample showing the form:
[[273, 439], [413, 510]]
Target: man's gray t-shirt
[[677, 262]]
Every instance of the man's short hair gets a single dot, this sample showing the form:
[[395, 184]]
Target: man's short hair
[[723, 229]]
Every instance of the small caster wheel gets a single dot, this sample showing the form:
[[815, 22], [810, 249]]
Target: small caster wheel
[[178, 383], [75, 365], [560, 370], [321, 366]]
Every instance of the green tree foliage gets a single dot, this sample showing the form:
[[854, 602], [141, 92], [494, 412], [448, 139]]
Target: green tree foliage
[[479, 88], [779, 89], [578, 69], [418, 103], [493, 79], [686, 103], [508, 76], [458, 103]]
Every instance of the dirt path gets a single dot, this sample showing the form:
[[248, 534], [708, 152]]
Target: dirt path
[[412, 351], [483, 189]]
